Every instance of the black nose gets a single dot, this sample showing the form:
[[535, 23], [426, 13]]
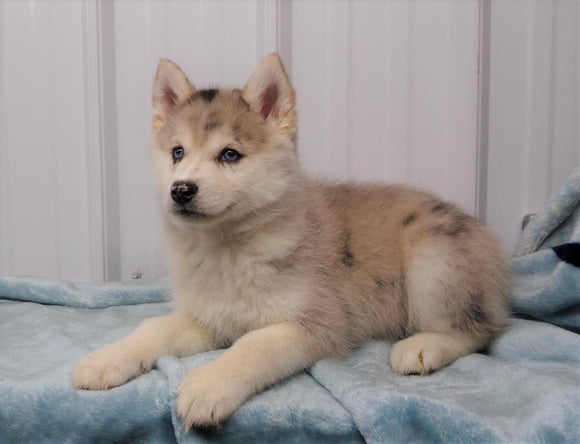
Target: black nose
[[182, 192]]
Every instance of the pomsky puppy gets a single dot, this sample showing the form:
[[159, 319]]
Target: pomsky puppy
[[286, 270]]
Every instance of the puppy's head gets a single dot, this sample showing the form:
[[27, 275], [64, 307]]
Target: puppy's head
[[223, 154]]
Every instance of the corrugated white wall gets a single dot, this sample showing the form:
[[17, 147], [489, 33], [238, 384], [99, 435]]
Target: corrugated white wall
[[386, 91], [76, 197], [534, 107], [44, 206]]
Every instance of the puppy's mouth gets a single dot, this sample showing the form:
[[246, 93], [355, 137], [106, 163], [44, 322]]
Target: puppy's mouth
[[189, 213], [192, 213]]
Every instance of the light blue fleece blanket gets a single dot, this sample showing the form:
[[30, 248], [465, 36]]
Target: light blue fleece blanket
[[526, 388]]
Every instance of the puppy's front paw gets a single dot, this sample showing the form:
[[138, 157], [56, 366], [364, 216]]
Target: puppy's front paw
[[205, 398], [106, 368]]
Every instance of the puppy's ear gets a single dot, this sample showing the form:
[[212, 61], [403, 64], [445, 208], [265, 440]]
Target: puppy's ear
[[171, 88], [270, 94]]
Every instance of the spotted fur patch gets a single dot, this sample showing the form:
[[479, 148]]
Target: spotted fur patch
[[347, 256]]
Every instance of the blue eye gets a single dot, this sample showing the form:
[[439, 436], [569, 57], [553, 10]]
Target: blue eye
[[229, 155], [178, 153]]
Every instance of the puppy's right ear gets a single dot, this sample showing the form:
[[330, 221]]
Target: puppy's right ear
[[170, 89]]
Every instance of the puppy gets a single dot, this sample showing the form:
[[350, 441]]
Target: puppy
[[286, 270]]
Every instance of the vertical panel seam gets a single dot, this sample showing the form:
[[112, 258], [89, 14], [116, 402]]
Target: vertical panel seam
[[268, 32], [327, 87], [409, 91], [4, 183], [483, 110], [349, 88], [552, 103], [55, 163], [93, 121], [528, 91]]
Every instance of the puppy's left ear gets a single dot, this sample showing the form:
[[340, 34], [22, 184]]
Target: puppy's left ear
[[271, 95]]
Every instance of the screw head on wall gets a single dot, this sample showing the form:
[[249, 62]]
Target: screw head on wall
[[136, 274]]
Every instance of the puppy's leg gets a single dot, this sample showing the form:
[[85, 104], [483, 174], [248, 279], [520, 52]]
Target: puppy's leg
[[454, 308], [115, 364], [211, 393]]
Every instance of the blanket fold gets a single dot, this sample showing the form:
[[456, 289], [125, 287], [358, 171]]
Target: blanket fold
[[547, 259]]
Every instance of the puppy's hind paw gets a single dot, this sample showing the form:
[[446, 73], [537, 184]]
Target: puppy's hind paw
[[413, 356], [424, 353], [411, 362]]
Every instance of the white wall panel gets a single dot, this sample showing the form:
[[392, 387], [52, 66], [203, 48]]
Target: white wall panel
[[534, 101], [44, 225], [388, 91]]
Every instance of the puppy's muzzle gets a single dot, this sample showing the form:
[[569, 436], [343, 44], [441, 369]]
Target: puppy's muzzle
[[182, 192]]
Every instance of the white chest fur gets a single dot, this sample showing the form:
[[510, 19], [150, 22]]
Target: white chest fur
[[233, 289]]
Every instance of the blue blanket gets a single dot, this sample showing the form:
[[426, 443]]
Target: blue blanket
[[525, 388]]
